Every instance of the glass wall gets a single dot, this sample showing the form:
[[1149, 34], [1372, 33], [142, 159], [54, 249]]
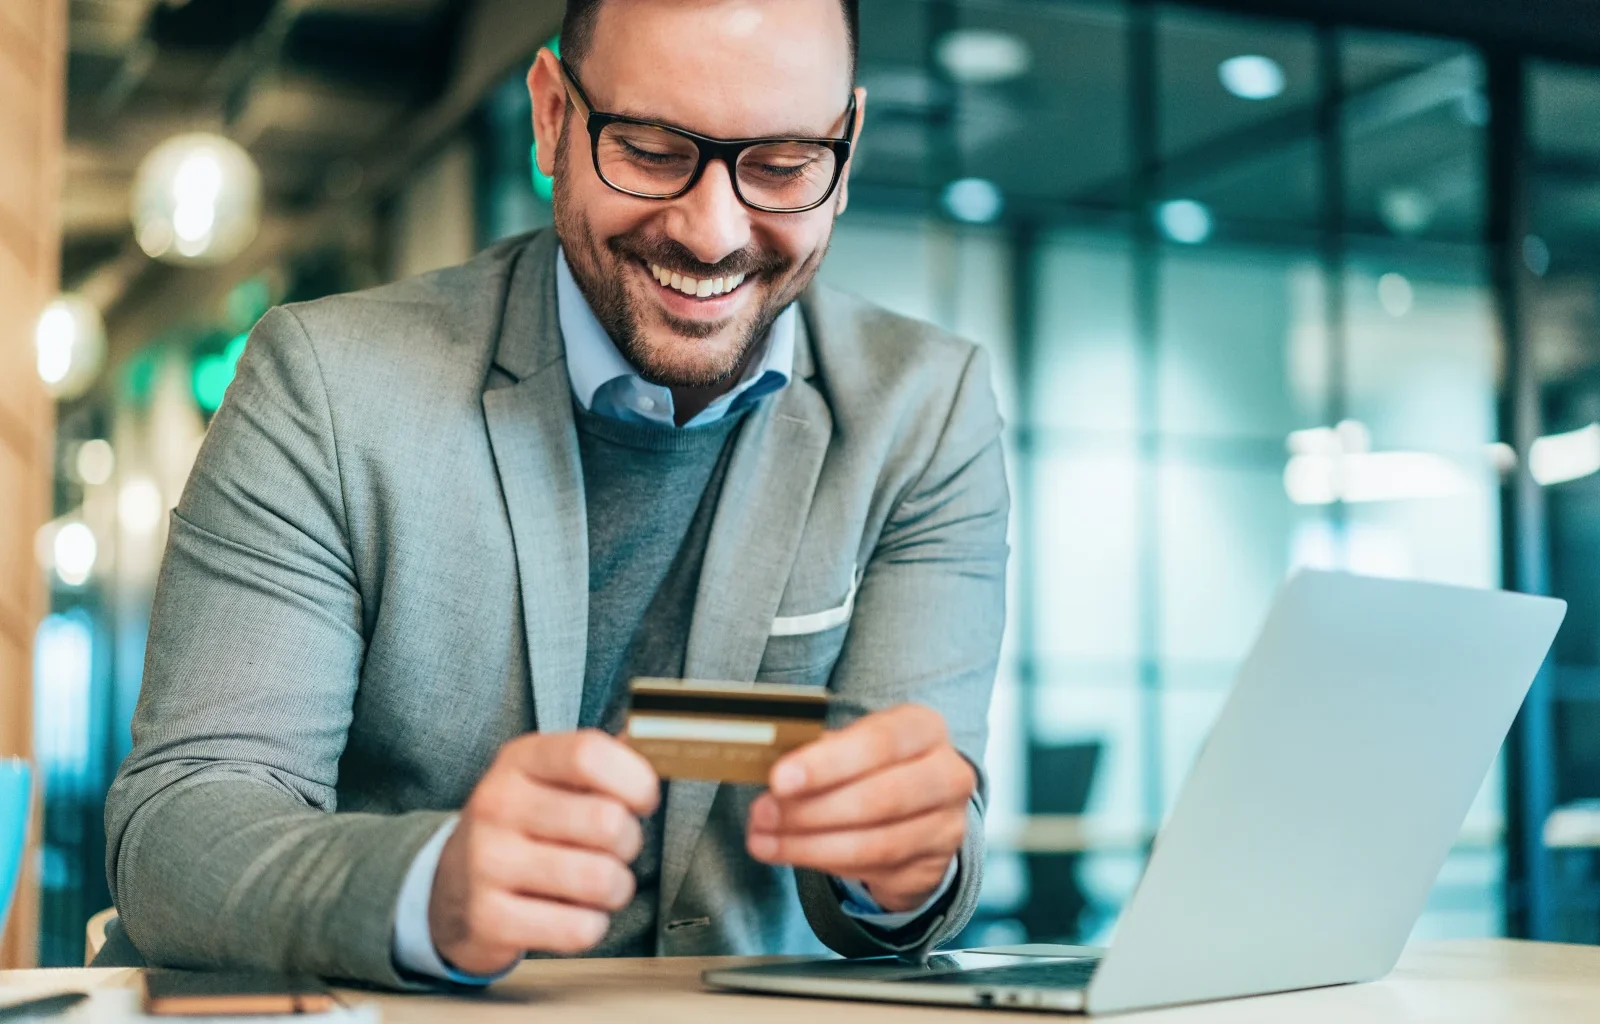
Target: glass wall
[[1561, 287]]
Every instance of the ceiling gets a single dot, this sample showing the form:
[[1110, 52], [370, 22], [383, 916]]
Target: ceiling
[[337, 98], [1059, 137], [322, 92]]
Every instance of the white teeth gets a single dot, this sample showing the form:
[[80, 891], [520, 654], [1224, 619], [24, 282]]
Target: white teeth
[[693, 286]]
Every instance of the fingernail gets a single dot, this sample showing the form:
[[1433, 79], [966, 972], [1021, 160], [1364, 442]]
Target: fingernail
[[763, 847], [788, 778]]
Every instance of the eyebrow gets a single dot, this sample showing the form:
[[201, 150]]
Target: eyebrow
[[782, 133]]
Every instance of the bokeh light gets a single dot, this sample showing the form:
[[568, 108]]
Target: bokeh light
[[69, 346], [197, 200]]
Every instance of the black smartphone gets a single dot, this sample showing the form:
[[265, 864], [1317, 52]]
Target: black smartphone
[[173, 993]]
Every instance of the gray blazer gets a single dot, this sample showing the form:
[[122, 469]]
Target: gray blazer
[[378, 575]]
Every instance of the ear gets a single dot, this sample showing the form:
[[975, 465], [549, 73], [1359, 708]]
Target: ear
[[547, 87], [855, 140]]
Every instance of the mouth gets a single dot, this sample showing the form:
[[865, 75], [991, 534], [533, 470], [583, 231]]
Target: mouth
[[703, 295]]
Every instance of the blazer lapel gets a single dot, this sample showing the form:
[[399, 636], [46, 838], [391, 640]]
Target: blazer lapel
[[761, 515], [535, 447]]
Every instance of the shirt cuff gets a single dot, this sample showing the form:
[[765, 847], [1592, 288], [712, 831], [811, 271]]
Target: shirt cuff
[[859, 904], [414, 950]]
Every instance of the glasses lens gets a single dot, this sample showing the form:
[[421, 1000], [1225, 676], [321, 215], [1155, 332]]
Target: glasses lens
[[786, 175], [645, 160]]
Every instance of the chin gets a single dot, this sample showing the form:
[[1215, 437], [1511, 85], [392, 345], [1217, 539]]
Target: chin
[[685, 363]]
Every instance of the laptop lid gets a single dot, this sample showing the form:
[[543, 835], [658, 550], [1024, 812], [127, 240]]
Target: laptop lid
[[1330, 791]]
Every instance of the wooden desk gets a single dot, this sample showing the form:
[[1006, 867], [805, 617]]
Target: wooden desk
[[1478, 982]]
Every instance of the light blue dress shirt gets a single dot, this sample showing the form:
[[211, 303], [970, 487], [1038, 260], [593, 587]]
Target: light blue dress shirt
[[606, 383]]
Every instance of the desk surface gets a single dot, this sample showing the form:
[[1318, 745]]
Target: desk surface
[[1478, 981]]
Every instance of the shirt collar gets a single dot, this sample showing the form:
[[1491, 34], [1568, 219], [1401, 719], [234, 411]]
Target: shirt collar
[[593, 360]]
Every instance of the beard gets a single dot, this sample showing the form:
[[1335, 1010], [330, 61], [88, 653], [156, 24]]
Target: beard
[[668, 350]]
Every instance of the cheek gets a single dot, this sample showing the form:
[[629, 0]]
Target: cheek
[[601, 211], [798, 237], [607, 214]]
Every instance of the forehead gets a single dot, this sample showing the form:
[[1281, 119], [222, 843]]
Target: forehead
[[728, 68]]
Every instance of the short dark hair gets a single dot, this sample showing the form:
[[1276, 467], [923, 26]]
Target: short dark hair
[[577, 29]]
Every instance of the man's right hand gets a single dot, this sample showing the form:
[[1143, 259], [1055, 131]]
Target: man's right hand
[[540, 859]]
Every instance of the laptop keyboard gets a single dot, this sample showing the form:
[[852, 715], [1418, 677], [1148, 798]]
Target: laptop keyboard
[[1044, 974]]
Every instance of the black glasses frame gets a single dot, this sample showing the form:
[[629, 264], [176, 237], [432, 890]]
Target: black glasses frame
[[726, 150]]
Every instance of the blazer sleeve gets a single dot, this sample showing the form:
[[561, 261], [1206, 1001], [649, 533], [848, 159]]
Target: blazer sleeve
[[927, 627], [223, 847]]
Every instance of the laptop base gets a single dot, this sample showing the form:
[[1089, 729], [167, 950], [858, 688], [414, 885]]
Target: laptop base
[[1034, 977]]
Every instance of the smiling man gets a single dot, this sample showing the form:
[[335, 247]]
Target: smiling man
[[436, 528]]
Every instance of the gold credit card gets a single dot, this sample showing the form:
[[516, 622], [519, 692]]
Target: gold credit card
[[721, 732]]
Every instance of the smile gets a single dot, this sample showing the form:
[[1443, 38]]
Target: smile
[[701, 288]]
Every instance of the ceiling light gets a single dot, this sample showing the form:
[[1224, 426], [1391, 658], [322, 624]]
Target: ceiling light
[[1312, 479], [1395, 294], [1363, 477], [1558, 458], [1406, 211], [69, 346], [1337, 464], [75, 552], [974, 200], [95, 462], [139, 506], [1502, 457], [1252, 76], [197, 200], [1315, 441], [1184, 220], [980, 56]]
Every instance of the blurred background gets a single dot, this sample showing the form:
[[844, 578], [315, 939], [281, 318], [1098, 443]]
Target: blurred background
[[1268, 284]]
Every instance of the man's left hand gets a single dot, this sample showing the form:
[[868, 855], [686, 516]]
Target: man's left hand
[[883, 802]]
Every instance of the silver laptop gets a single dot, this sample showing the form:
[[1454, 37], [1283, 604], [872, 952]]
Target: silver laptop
[[1310, 829]]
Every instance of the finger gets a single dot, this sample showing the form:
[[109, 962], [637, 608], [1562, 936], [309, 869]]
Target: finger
[[871, 744], [507, 920], [539, 811], [588, 761], [583, 878], [937, 780], [859, 852]]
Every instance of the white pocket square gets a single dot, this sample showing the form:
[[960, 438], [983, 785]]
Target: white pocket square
[[819, 622]]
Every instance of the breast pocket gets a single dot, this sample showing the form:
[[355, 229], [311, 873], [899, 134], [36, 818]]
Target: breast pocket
[[803, 648], [801, 659]]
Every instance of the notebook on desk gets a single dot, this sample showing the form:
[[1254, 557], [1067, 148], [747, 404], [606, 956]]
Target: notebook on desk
[[122, 1006]]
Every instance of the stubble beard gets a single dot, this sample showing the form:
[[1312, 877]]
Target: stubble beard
[[601, 272]]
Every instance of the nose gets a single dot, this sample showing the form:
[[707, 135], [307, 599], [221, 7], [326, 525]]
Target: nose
[[709, 220]]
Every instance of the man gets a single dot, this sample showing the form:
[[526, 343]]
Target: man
[[437, 527]]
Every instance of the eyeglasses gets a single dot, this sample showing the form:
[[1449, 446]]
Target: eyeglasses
[[657, 161]]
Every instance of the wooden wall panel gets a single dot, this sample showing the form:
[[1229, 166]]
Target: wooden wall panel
[[18, 521], [32, 82], [18, 290], [32, 20]]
